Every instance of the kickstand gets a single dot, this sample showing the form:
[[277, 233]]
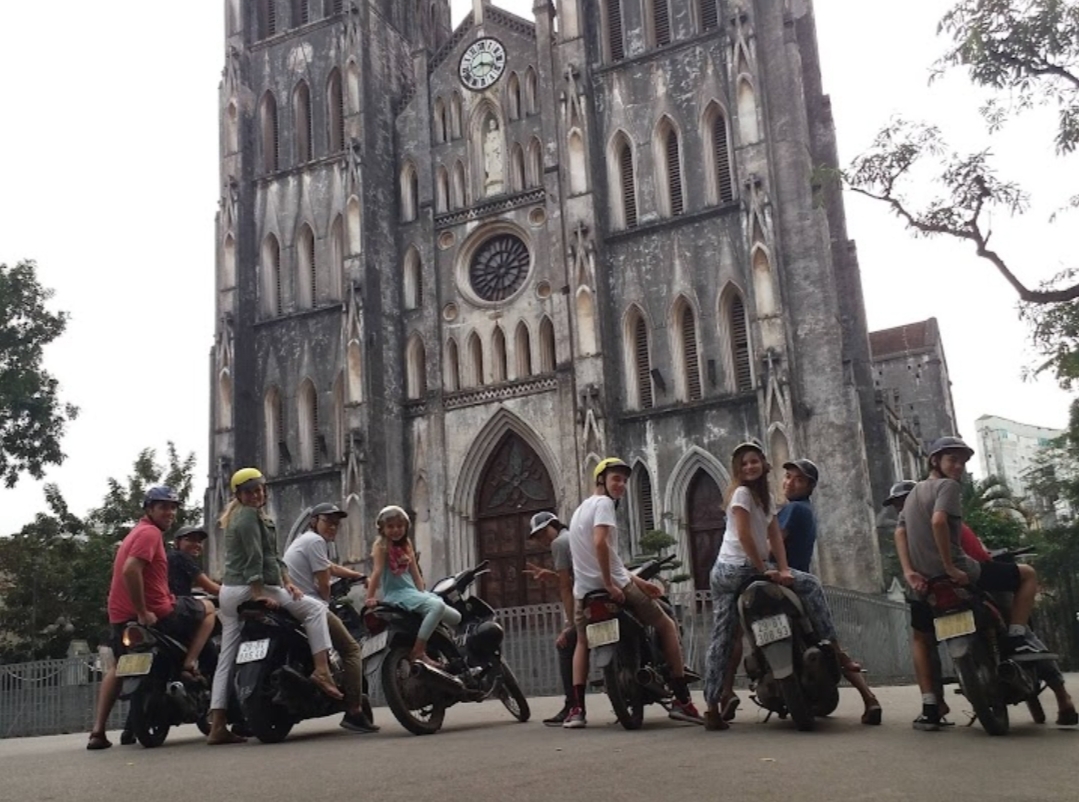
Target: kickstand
[[972, 716]]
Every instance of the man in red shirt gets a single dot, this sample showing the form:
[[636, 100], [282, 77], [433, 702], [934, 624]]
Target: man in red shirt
[[140, 592]]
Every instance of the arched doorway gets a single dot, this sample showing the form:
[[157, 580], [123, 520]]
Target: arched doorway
[[707, 521], [514, 485]]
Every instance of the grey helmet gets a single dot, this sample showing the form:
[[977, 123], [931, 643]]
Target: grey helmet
[[950, 443], [541, 520], [899, 490], [806, 467]]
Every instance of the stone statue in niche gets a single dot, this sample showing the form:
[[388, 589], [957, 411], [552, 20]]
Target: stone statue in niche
[[492, 158], [575, 96]]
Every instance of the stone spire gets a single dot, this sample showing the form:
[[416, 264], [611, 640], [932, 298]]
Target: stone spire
[[477, 12]]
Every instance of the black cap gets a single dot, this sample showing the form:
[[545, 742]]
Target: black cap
[[327, 508], [190, 531], [804, 467]]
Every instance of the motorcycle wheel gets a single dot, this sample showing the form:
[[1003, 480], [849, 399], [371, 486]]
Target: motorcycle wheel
[[1037, 712], [512, 696], [149, 716], [624, 693], [977, 679], [268, 722], [396, 674], [795, 701]]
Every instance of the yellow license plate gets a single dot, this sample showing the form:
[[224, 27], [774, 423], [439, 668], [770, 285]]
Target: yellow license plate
[[603, 633], [134, 665], [955, 625]]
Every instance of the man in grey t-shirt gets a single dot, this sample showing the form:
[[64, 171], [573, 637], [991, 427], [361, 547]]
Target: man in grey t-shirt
[[546, 528]]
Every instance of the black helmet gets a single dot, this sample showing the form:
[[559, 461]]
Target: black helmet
[[191, 531], [804, 467], [950, 444], [326, 508], [899, 490], [160, 493], [541, 520]]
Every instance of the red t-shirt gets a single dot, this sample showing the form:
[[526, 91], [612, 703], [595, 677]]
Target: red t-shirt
[[146, 543], [972, 546]]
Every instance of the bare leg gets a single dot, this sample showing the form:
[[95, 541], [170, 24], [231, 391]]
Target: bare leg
[[672, 648], [106, 698], [198, 640], [580, 660], [219, 732]]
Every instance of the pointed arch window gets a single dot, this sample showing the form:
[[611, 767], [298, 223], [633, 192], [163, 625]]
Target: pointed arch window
[[453, 367], [232, 129], [517, 168], [442, 190], [306, 269], [523, 347], [416, 361], [413, 280], [310, 456], [535, 163], [616, 46], [301, 14], [640, 360], [271, 140], [272, 296], [709, 14], [337, 258], [440, 121], [224, 400], [548, 354], [498, 359], [475, 357], [513, 97], [267, 18], [410, 193], [691, 368], [274, 436], [627, 188], [531, 92], [455, 115], [739, 339], [661, 23], [669, 158], [578, 176], [719, 153], [335, 7], [644, 502], [335, 97], [340, 431], [460, 197], [301, 114], [228, 263]]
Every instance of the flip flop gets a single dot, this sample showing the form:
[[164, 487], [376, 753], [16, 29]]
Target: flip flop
[[98, 740], [225, 737]]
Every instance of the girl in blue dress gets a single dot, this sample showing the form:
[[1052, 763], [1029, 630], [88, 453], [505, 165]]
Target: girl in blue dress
[[398, 576]]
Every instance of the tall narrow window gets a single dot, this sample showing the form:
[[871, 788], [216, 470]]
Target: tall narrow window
[[615, 43], [416, 361], [531, 91], [672, 163], [442, 190], [455, 116], [460, 196], [646, 507], [690, 358], [410, 193], [339, 424], [306, 269], [513, 96], [273, 299], [228, 263], [309, 426], [517, 168], [302, 12], [498, 359], [301, 115], [270, 135], [739, 336], [627, 185], [440, 121], [335, 97], [453, 367], [642, 366], [337, 258], [475, 356], [709, 15], [548, 355], [661, 22], [721, 154], [267, 18], [523, 347], [274, 437], [335, 7], [535, 163], [413, 280]]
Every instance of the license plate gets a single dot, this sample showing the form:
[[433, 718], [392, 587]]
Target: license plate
[[602, 633], [252, 651], [374, 645], [134, 665], [954, 626], [769, 630]]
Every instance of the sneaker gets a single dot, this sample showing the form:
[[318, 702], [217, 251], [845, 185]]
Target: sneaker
[[559, 718], [1022, 645], [358, 723], [927, 723], [685, 711], [575, 720]]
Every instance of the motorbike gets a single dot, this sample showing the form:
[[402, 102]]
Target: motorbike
[[628, 653], [792, 670], [973, 626], [473, 668]]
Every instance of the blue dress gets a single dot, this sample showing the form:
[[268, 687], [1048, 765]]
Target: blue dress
[[400, 590]]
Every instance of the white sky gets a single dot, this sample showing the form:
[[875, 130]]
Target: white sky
[[109, 141]]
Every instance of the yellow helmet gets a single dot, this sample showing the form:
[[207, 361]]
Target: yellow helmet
[[245, 475], [610, 463]]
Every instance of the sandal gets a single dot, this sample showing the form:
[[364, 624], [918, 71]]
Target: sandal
[[729, 708], [872, 715], [327, 686], [714, 722], [98, 740], [1067, 717], [224, 737]]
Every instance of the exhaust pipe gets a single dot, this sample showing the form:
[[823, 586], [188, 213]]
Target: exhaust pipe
[[1013, 674], [447, 683], [651, 681]]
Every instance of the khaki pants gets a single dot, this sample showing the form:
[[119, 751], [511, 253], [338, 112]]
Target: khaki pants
[[349, 650]]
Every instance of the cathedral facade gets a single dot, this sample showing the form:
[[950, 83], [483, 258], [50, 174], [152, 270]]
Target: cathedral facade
[[457, 267]]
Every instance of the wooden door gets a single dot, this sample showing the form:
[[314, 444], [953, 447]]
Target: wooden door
[[707, 522]]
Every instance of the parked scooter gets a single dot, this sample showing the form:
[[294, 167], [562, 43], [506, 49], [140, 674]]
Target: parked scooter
[[473, 667]]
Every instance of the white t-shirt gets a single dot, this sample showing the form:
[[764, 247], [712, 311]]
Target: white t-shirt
[[307, 555], [594, 511], [731, 551]]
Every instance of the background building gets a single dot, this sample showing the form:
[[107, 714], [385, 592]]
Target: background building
[[1009, 450], [458, 267]]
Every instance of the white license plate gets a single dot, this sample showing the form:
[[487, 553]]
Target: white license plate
[[954, 626], [603, 633], [252, 651], [769, 630], [374, 645], [134, 665]]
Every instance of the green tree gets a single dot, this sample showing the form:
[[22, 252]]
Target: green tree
[[656, 543], [1027, 53], [32, 418], [995, 515]]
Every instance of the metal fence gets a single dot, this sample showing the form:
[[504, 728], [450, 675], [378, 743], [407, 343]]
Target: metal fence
[[58, 696]]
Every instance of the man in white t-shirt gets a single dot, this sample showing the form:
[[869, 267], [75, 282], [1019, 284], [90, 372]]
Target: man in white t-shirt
[[310, 568], [593, 539]]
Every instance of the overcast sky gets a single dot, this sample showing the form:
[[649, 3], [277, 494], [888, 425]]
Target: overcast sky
[[109, 143]]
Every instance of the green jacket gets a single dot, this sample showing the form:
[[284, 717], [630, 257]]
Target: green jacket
[[251, 550]]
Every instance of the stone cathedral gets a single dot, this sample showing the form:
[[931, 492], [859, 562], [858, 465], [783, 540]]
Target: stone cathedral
[[456, 267]]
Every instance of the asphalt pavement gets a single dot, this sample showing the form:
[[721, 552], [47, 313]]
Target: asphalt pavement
[[483, 754]]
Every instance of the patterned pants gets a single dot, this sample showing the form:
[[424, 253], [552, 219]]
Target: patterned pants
[[726, 578]]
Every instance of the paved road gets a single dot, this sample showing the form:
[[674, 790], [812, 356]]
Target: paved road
[[482, 754]]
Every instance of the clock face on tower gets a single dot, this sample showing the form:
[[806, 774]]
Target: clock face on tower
[[482, 64]]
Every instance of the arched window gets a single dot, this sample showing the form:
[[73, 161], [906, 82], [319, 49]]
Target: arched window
[[578, 176], [270, 136], [307, 406], [354, 225], [416, 360], [224, 400], [548, 355], [661, 23], [738, 338], [531, 91], [274, 436], [455, 115], [498, 359], [718, 155], [669, 161], [517, 168], [410, 193], [643, 500], [335, 7], [340, 430], [460, 196], [640, 362], [413, 280], [337, 258], [228, 263], [301, 116], [355, 372], [475, 358], [352, 75], [586, 322], [535, 163], [747, 112], [709, 14], [625, 190], [616, 46], [301, 13], [306, 269], [689, 358], [335, 99], [442, 190], [232, 129], [439, 120], [267, 22], [523, 347], [513, 97], [453, 367], [272, 296]]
